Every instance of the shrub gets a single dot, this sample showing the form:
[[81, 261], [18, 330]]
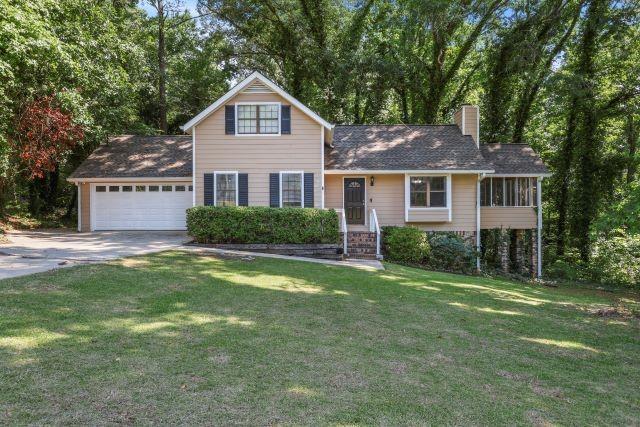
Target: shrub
[[407, 245], [451, 253], [615, 260], [208, 224]]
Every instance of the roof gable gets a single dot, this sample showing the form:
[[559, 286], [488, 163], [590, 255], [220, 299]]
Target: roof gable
[[255, 83]]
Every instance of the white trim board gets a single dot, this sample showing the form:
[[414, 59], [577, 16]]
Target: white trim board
[[403, 171], [134, 179], [239, 87]]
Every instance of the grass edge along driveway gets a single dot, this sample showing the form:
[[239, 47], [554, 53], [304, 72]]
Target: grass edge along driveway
[[181, 338]]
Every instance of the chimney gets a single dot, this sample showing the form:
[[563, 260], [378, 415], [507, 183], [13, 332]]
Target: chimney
[[468, 120]]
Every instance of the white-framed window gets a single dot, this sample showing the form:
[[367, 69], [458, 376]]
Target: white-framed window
[[291, 189], [509, 191], [427, 191], [258, 118], [225, 188]]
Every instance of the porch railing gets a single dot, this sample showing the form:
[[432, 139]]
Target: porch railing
[[374, 227], [343, 229]]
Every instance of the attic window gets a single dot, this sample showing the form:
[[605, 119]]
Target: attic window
[[263, 119]]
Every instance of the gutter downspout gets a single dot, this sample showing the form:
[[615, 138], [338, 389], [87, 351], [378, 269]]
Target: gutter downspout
[[478, 246]]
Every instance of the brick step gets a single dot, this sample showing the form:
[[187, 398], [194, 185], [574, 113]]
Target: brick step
[[355, 251], [367, 242], [362, 256]]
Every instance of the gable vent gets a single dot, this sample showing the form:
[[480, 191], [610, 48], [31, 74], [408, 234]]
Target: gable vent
[[257, 87]]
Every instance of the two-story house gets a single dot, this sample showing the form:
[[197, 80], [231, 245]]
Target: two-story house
[[259, 146]]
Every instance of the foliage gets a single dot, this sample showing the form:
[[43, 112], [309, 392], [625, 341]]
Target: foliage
[[449, 252], [616, 260], [407, 245], [44, 134], [208, 224]]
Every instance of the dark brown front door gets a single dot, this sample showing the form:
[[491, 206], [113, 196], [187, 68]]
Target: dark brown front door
[[354, 200]]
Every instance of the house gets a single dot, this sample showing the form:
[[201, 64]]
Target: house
[[259, 146]]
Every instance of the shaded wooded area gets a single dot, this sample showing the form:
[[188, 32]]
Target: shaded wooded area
[[562, 75]]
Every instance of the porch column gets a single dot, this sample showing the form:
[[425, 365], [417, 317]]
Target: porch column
[[539, 230], [478, 223]]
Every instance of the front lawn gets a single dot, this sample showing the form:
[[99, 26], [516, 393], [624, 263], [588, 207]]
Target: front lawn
[[180, 338]]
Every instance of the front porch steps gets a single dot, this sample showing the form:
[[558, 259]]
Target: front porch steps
[[361, 245]]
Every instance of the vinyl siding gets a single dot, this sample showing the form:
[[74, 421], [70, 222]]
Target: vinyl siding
[[387, 198], [261, 155], [85, 207], [430, 215], [508, 217]]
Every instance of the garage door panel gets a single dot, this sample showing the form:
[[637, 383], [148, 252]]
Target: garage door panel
[[140, 210]]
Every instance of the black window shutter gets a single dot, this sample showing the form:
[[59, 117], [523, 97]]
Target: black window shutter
[[208, 189], [274, 190], [229, 119], [243, 189], [285, 119], [308, 190]]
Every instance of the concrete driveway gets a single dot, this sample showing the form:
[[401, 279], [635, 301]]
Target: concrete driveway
[[35, 251]]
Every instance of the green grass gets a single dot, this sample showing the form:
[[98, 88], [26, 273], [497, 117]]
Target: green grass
[[178, 338]]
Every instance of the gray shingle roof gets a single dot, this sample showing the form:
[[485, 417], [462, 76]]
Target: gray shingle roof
[[130, 156], [513, 158], [403, 147]]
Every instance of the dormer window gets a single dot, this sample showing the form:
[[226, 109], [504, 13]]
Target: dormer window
[[262, 119]]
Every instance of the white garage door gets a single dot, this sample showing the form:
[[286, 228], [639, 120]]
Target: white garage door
[[141, 206]]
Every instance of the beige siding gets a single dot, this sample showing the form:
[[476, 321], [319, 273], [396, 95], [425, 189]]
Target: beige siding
[[85, 206], [428, 215], [258, 156], [508, 217], [387, 197]]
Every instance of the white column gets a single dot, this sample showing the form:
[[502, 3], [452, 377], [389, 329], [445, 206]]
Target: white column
[[478, 222], [79, 189], [539, 233], [193, 165]]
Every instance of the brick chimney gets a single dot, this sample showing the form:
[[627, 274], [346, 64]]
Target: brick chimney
[[468, 120]]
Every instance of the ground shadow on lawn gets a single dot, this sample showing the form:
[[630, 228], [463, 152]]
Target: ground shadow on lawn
[[178, 337]]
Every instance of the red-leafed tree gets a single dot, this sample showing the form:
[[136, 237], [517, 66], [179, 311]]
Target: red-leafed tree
[[44, 135]]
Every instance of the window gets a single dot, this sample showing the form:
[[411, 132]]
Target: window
[[428, 191], [191, 188], [226, 189], [508, 191], [179, 187], [141, 188], [127, 188], [510, 195], [259, 119], [291, 189], [167, 188], [114, 188], [154, 188], [101, 189]]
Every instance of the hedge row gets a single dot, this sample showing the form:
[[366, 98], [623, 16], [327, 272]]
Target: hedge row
[[209, 224]]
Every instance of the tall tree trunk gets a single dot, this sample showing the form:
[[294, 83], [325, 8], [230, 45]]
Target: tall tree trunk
[[162, 69], [632, 144], [562, 174], [587, 166]]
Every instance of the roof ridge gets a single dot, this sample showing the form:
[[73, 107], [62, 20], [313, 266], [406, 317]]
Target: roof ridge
[[398, 124]]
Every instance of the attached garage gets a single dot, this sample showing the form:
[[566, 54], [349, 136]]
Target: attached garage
[[140, 206], [135, 183]]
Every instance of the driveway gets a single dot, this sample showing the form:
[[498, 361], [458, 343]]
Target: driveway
[[35, 251]]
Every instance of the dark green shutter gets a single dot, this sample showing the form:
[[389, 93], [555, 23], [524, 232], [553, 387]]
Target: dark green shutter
[[243, 189], [208, 189], [308, 190], [229, 119], [285, 119], [274, 190]]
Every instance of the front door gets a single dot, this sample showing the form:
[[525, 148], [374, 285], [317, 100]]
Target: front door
[[354, 200]]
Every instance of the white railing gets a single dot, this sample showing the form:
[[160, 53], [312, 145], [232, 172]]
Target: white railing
[[343, 229], [374, 226]]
